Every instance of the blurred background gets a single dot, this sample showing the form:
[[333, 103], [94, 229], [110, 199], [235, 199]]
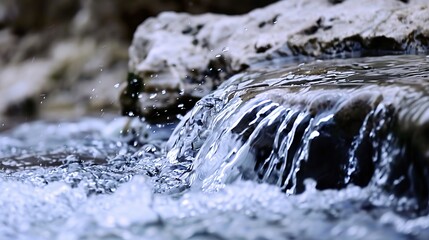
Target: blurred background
[[63, 59]]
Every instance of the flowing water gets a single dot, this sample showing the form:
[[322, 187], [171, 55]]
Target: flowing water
[[326, 150]]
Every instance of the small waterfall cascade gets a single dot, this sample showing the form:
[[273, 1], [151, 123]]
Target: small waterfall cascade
[[337, 122]]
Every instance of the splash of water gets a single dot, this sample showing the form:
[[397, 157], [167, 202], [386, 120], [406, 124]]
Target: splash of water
[[225, 169]]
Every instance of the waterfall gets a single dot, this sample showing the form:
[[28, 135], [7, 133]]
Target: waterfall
[[336, 122]]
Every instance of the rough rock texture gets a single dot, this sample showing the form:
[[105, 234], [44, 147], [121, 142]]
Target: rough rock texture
[[66, 57], [182, 57]]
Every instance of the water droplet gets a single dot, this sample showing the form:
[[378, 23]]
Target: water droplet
[[116, 85], [152, 96], [290, 76], [163, 92], [218, 56], [314, 134]]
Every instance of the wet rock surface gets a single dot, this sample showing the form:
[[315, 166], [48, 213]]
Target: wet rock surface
[[339, 122], [177, 53]]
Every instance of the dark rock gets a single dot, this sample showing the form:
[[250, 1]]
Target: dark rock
[[339, 122]]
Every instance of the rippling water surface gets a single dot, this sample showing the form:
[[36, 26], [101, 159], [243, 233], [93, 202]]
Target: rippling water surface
[[224, 173]]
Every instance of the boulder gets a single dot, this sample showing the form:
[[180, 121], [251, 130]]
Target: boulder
[[182, 57]]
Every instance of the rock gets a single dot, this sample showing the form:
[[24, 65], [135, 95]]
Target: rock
[[362, 121], [180, 53]]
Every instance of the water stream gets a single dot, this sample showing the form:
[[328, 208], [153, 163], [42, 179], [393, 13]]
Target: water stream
[[329, 149]]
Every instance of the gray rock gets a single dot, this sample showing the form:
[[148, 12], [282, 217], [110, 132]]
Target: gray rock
[[191, 55]]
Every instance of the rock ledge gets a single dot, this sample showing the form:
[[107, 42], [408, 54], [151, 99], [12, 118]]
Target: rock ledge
[[183, 57]]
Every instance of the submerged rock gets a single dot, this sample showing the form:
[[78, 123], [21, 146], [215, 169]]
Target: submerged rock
[[180, 53], [358, 121]]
